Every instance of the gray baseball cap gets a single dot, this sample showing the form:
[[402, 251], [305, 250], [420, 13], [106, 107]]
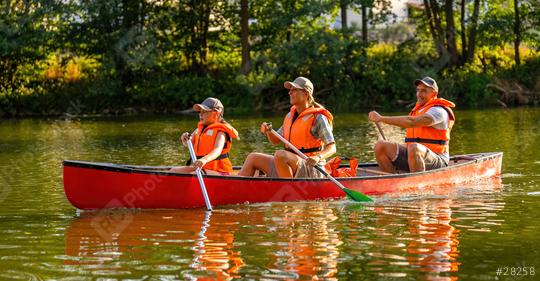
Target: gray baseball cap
[[300, 83], [209, 104], [428, 81]]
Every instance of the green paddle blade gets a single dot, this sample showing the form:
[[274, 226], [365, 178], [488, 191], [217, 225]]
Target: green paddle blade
[[357, 196]]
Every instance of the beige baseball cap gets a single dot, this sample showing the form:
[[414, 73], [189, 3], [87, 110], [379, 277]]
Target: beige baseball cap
[[209, 104], [300, 83]]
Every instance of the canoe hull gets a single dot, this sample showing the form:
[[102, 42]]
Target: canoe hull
[[101, 185]]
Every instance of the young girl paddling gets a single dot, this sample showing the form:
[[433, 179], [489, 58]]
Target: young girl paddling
[[211, 140], [308, 126]]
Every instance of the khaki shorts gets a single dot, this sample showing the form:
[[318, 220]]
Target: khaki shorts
[[432, 160], [303, 171]]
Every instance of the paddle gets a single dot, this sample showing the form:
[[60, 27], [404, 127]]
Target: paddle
[[355, 195], [199, 175], [380, 130]]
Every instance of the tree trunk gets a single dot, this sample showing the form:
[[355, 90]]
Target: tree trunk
[[244, 35], [291, 21], [472, 30], [343, 7], [464, 52], [26, 7], [451, 32], [437, 20], [517, 32], [203, 39], [192, 39], [364, 23], [197, 40], [434, 23], [129, 16], [142, 16]]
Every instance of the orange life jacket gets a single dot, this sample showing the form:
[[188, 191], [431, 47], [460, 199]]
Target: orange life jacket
[[332, 167], [298, 132], [204, 140], [434, 139]]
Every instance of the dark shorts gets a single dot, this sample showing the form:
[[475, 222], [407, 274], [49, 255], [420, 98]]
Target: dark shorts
[[432, 160]]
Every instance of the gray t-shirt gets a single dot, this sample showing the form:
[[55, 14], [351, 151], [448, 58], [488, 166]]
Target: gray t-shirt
[[440, 117], [440, 121]]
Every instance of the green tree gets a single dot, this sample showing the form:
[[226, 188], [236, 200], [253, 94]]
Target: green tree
[[276, 19], [373, 12], [441, 17], [526, 23], [118, 31], [26, 28], [194, 29]]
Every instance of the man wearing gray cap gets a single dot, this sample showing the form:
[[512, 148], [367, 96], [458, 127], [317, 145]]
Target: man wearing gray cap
[[428, 128]]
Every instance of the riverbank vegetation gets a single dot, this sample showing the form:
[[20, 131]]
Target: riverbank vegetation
[[139, 56]]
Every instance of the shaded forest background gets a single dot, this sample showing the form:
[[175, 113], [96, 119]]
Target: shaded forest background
[[138, 56]]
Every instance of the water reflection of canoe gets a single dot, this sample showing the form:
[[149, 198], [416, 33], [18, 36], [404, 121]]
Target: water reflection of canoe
[[98, 239], [282, 241], [103, 185]]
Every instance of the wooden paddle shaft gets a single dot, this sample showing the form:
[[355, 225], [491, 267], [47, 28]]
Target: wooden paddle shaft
[[288, 144], [380, 130], [303, 156]]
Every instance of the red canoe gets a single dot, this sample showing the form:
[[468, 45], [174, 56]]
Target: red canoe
[[103, 185]]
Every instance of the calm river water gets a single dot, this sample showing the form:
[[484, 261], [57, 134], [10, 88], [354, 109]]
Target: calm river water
[[479, 232]]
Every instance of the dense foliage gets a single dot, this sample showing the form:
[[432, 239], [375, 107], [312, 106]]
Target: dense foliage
[[119, 56]]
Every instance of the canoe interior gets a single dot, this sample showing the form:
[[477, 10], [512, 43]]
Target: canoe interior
[[364, 169]]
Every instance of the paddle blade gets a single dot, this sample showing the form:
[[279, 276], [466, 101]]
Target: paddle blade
[[357, 196]]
